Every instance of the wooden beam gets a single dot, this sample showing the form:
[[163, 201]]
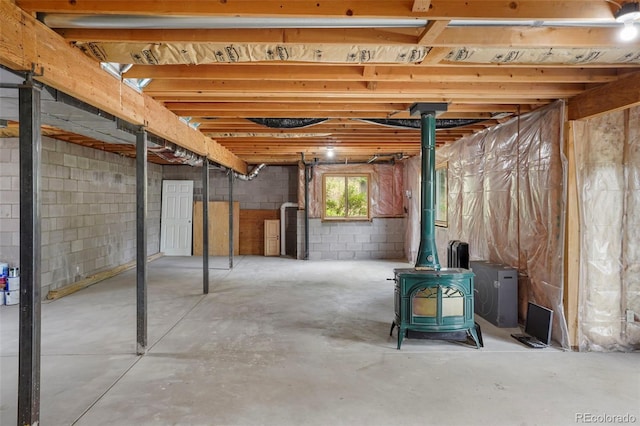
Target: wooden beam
[[435, 55], [531, 37], [431, 32], [27, 44], [458, 106], [620, 94], [335, 88], [435, 34], [421, 5], [572, 238], [440, 9], [196, 115], [95, 278], [432, 74], [274, 106]]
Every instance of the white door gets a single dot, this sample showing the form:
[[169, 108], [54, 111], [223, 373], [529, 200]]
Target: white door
[[176, 232]]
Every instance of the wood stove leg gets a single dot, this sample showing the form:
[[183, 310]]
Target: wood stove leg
[[393, 324], [479, 331], [400, 336], [474, 335]]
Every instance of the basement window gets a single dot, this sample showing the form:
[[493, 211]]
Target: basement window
[[345, 197]]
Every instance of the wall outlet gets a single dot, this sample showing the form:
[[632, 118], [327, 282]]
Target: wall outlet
[[630, 316]]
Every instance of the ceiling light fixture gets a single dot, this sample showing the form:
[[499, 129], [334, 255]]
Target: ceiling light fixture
[[330, 152], [628, 14], [628, 32]]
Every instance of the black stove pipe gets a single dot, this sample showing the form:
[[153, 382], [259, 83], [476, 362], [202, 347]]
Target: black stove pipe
[[428, 253]]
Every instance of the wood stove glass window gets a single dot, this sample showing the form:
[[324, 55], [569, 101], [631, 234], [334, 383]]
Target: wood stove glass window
[[452, 302], [345, 197], [425, 302]]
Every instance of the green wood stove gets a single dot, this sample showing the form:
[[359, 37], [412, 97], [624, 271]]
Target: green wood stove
[[434, 301], [428, 299]]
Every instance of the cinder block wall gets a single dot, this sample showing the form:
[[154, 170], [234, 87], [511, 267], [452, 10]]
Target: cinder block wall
[[88, 210], [382, 238], [273, 186]]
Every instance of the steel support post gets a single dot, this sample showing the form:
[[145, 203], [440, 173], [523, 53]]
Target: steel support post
[[231, 176], [141, 241], [307, 170], [205, 226], [30, 200]]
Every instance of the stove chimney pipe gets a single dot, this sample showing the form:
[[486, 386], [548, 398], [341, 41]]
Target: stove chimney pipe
[[428, 253]]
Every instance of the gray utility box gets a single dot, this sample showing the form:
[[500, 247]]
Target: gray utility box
[[496, 293]]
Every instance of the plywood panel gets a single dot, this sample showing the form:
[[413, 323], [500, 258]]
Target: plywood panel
[[252, 230], [218, 228], [272, 237]]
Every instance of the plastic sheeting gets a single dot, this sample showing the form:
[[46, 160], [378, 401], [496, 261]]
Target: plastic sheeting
[[608, 173], [385, 187], [505, 198]]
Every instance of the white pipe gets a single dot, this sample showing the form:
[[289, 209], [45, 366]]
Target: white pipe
[[282, 222]]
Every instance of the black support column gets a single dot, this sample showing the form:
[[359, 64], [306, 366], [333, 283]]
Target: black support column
[[30, 252], [231, 219], [141, 242], [307, 172], [205, 226]]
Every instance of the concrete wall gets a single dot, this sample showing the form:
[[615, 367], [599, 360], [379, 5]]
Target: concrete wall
[[273, 186], [382, 238], [88, 210]]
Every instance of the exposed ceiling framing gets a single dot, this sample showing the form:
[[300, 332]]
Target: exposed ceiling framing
[[487, 59]]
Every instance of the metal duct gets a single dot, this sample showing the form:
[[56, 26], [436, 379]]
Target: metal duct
[[254, 172], [287, 123], [72, 115], [106, 21], [441, 123], [68, 20]]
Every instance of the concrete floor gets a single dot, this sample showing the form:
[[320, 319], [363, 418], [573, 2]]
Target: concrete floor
[[287, 342]]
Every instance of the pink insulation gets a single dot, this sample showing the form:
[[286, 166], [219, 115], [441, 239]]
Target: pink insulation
[[608, 172]]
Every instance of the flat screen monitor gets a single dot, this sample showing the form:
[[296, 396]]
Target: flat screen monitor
[[538, 324]]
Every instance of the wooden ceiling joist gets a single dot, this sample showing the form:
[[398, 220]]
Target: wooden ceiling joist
[[447, 37], [68, 70], [439, 9], [621, 94], [233, 72], [336, 89], [585, 64]]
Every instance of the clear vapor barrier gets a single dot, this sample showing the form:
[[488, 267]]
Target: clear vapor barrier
[[505, 198]]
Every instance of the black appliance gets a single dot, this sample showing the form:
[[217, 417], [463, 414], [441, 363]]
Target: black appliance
[[458, 254]]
